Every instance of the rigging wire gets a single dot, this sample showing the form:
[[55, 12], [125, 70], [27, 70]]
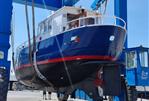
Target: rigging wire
[[106, 2], [44, 3], [65, 65], [62, 55], [98, 5], [28, 33], [29, 37], [33, 24], [12, 40], [39, 74]]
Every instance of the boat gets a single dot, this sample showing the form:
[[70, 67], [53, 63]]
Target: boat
[[71, 44]]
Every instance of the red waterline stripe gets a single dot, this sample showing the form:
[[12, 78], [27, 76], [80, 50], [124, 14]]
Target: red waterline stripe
[[84, 57]]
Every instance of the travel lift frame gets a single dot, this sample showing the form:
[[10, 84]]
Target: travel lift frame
[[5, 31]]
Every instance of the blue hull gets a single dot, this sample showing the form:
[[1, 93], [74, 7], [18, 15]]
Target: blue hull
[[79, 47]]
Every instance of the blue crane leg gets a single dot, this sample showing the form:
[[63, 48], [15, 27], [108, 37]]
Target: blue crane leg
[[5, 19], [97, 2], [120, 10]]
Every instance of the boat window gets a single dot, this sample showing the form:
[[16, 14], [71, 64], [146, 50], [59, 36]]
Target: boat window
[[49, 26], [65, 15], [45, 26], [144, 59], [64, 26], [131, 59], [42, 28], [38, 30], [71, 17]]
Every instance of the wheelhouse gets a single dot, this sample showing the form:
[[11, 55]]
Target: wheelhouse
[[69, 18], [137, 66], [137, 57]]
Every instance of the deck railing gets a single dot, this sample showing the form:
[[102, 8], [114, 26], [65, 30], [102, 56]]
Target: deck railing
[[96, 20]]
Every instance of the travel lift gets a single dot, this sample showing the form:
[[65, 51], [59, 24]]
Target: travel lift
[[5, 31]]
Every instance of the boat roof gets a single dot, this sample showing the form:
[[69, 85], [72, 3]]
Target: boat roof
[[69, 10]]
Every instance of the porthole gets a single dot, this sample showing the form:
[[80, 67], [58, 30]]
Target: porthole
[[112, 37]]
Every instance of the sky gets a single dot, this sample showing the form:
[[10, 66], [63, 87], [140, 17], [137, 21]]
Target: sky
[[138, 21]]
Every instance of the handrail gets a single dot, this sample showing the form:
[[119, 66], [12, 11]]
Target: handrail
[[101, 18]]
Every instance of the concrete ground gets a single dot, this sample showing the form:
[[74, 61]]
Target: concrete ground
[[31, 96], [35, 96]]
